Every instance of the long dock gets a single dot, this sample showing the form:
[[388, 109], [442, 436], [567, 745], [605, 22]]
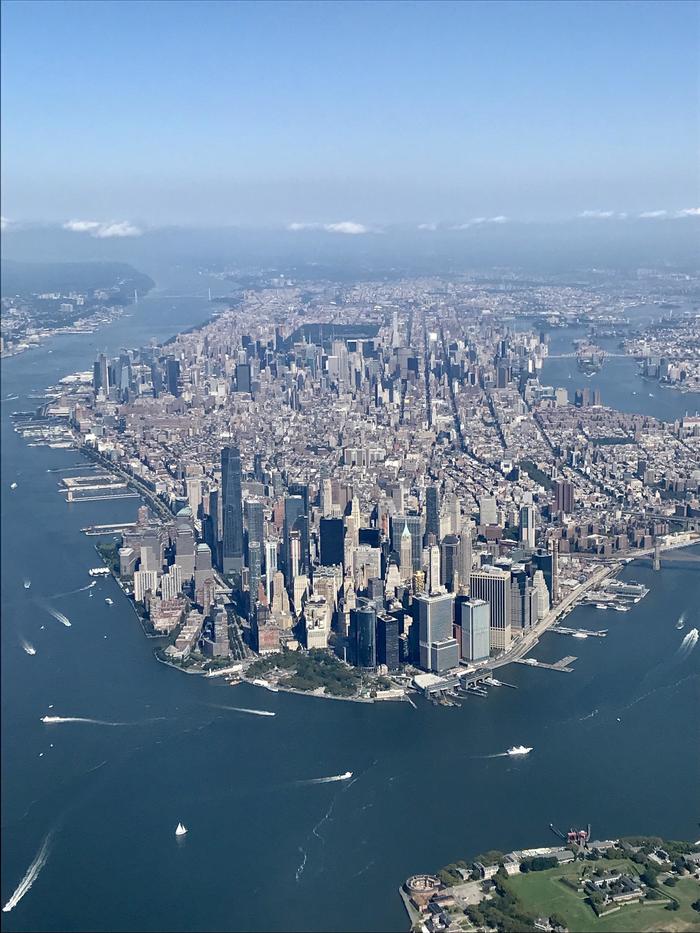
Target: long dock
[[563, 630], [562, 665], [112, 529]]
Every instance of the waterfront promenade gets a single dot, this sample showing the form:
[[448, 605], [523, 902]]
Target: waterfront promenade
[[528, 641]]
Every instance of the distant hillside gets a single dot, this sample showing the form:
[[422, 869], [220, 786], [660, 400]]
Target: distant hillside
[[22, 278]]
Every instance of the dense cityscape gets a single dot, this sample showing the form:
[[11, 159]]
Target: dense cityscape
[[377, 471], [350, 422]]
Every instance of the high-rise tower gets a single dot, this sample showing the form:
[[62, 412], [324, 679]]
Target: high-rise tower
[[232, 510]]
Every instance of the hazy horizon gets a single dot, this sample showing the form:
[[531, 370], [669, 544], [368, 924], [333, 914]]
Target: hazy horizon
[[346, 117]]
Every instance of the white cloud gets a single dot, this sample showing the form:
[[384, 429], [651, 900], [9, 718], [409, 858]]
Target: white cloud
[[81, 226], [123, 228], [652, 214], [477, 221], [4, 223], [431, 227], [344, 226], [103, 230], [689, 212], [598, 215]]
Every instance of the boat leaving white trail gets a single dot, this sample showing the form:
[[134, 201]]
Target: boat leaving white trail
[[514, 752], [57, 720], [81, 589], [31, 875], [58, 616], [252, 712], [28, 647], [328, 780], [688, 643]]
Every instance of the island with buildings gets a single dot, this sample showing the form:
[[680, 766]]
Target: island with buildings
[[364, 490], [638, 884]]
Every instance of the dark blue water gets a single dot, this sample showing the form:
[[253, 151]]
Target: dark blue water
[[266, 850]]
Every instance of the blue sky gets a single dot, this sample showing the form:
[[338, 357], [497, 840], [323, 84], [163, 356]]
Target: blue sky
[[273, 113]]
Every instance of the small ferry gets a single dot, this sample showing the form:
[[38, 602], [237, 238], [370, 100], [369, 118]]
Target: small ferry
[[519, 750]]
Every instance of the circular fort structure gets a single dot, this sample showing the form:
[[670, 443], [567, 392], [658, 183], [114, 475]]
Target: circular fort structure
[[420, 888]]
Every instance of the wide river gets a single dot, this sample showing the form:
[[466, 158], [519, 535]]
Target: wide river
[[89, 806]]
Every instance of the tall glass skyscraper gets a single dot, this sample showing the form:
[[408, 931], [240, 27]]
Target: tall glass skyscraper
[[232, 509], [363, 633], [432, 513]]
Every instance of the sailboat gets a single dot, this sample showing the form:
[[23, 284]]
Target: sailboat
[[181, 830]]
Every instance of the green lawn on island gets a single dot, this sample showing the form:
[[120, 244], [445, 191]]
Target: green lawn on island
[[542, 894]]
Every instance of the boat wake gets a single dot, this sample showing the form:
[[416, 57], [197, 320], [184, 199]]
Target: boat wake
[[58, 616], [517, 751], [28, 646], [242, 709], [81, 589], [671, 686], [688, 643], [302, 865], [315, 831], [32, 874], [589, 715], [328, 780], [58, 720]]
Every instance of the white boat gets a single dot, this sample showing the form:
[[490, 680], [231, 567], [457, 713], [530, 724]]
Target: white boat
[[345, 776], [579, 635], [622, 608], [109, 601], [600, 606], [13, 485], [27, 584], [531, 661], [519, 750], [259, 682], [180, 830]]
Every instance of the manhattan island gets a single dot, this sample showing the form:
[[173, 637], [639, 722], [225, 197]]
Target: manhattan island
[[357, 490]]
